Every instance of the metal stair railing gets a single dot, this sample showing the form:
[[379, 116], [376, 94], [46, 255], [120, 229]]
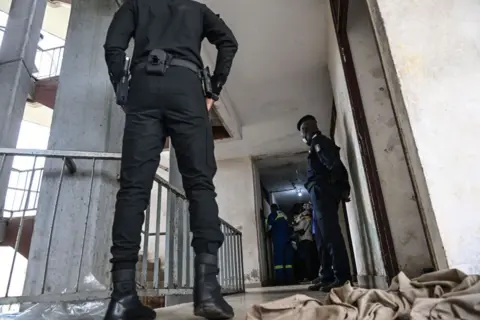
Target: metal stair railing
[[48, 62], [166, 265]]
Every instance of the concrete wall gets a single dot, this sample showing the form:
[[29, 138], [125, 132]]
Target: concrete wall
[[430, 52], [239, 199], [409, 238], [366, 246]]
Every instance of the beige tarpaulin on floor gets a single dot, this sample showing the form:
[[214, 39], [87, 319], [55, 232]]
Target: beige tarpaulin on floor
[[441, 295]]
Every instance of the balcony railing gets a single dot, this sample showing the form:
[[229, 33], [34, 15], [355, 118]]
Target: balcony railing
[[48, 63], [166, 230]]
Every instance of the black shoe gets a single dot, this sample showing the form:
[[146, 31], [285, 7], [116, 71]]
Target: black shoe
[[124, 303], [207, 297], [335, 284], [319, 283]]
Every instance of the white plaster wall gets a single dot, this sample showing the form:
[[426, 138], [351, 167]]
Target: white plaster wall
[[431, 53], [366, 246], [409, 238], [237, 202]]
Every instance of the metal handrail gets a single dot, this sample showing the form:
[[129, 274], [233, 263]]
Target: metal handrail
[[70, 155], [178, 270]]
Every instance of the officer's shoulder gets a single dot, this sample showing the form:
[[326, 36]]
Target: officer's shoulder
[[197, 4]]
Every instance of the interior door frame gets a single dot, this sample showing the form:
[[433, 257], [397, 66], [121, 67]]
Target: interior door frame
[[339, 11]]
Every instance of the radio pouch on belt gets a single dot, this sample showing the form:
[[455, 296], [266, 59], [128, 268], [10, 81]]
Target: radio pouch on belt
[[158, 62]]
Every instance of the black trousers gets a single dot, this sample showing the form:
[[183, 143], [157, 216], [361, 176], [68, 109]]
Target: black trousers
[[307, 253], [328, 236], [172, 105]]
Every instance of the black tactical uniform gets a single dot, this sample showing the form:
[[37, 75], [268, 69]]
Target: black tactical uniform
[[327, 184], [160, 105]]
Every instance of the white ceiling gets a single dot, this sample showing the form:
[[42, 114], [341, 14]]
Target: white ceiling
[[279, 73]]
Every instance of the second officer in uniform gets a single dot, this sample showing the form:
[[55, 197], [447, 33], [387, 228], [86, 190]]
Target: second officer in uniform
[[328, 185], [166, 99]]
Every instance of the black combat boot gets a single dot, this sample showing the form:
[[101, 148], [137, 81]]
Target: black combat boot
[[319, 283], [337, 283], [207, 297], [124, 303]]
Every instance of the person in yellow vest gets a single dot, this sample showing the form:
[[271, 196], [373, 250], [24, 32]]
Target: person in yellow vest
[[278, 226]]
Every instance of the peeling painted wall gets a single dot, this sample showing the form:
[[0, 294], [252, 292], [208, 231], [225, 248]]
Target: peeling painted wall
[[409, 238], [366, 245], [238, 202], [431, 53]]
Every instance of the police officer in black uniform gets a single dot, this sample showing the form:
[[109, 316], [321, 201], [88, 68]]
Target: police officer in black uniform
[[327, 184], [166, 98]]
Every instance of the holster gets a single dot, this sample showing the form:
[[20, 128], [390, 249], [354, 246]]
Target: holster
[[206, 82], [158, 62]]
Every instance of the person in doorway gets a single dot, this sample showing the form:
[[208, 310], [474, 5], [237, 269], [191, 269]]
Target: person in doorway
[[306, 248], [278, 226], [327, 183], [166, 98]]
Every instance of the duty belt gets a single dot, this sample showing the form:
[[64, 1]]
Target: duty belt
[[175, 63]]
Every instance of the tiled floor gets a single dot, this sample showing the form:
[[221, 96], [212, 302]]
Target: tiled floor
[[241, 302]]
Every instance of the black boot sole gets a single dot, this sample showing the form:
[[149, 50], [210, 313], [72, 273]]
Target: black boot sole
[[212, 312], [135, 318]]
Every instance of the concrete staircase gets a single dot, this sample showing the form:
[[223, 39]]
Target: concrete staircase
[[154, 302]]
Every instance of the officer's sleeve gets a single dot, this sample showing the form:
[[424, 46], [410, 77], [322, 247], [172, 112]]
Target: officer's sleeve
[[327, 152], [220, 35], [119, 34]]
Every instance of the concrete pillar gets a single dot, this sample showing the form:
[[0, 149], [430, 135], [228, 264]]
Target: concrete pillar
[[85, 118], [17, 61], [430, 54]]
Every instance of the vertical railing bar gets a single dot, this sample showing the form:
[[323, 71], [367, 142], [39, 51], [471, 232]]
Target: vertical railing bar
[[176, 241], [2, 161], [242, 272], [220, 261], [145, 247], [156, 266], [38, 191], [90, 192], [49, 246], [232, 252], [51, 64], [20, 228], [235, 262], [192, 255], [15, 194], [239, 261], [168, 241], [185, 251], [225, 257]]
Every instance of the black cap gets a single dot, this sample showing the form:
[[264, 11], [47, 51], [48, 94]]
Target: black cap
[[303, 119]]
